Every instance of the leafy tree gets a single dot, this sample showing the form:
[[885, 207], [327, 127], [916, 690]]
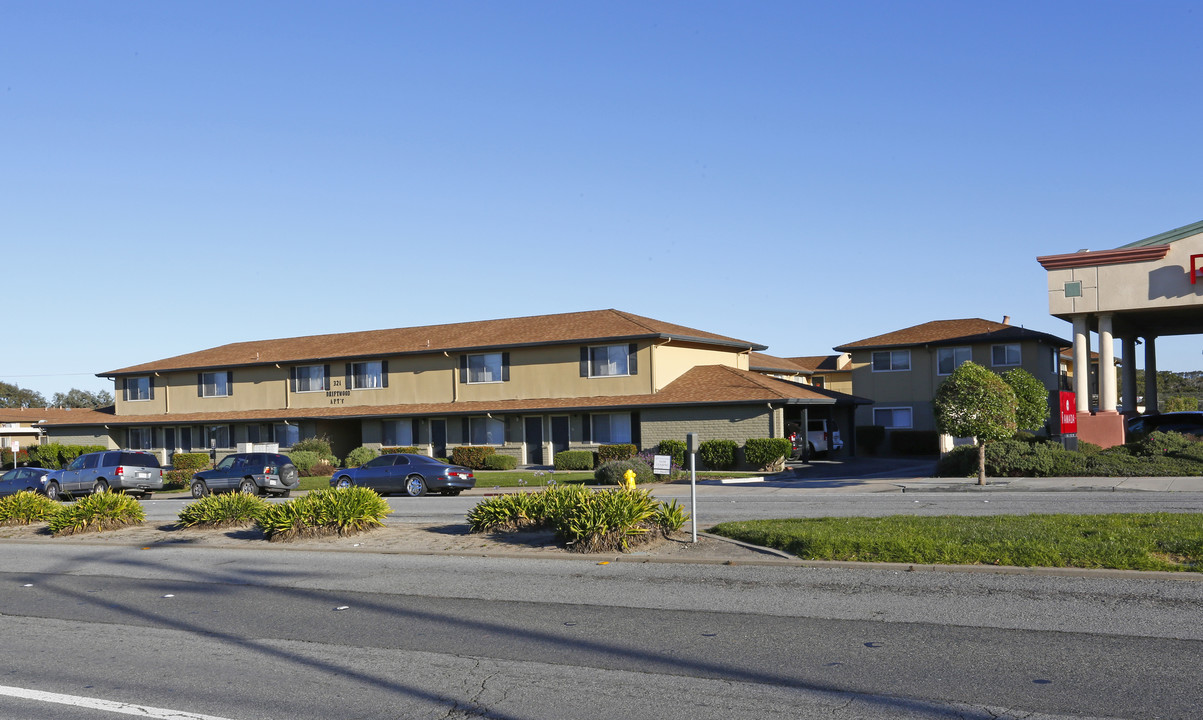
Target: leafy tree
[[76, 398], [12, 396], [1031, 411], [1176, 403], [974, 402]]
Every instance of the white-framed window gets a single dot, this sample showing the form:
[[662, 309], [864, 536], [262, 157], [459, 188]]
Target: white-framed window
[[486, 431], [138, 388], [397, 433], [366, 375], [215, 384], [609, 428], [607, 360], [140, 438], [891, 360], [311, 378], [485, 368], [951, 358], [895, 417], [1005, 354]]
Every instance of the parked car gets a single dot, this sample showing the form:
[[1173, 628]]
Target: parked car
[[1188, 423], [23, 478], [413, 475], [131, 471], [822, 436], [254, 473]]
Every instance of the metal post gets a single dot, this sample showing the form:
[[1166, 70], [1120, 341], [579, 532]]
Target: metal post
[[691, 444]]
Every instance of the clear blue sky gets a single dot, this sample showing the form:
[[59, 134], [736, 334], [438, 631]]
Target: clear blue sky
[[180, 175]]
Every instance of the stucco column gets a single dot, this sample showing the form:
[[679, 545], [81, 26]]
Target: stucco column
[[1082, 363], [1107, 397], [1128, 346], [1151, 374]]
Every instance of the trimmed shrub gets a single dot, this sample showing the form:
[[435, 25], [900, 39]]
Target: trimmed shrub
[[411, 449], [322, 469], [96, 513], [624, 451], [304, 460], [27, 507], [915, 442], [319, 445], [869, 438], [46, 455], [613, 472], [6, 457], [500, 462], [224, 510], [177, 479], [674, 448], [472, 456], [329, 511], [767, 453], [574, 460], [718, 454], [359, 456], [190, 461]]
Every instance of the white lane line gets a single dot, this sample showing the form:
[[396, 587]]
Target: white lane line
[[106, 705]]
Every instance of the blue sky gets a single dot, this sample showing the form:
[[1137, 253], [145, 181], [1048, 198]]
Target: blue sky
[[182, 175]]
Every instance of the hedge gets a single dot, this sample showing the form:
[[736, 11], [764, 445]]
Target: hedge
[[674, 448], [55, 456], [869, 438], [500, 462], [613, 472], [472, 456], [915, 442], [719, 454], [359, 456], [411, 449], [574, 460], [624, 451], [766, 453], [190, 461]]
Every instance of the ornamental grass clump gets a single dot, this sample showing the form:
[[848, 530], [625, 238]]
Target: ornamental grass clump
[[27, 507], [223, 511], [96, 513], [329, 511]]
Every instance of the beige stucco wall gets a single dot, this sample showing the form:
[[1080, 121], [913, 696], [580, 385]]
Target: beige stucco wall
[[1152, 284], [672, 360]]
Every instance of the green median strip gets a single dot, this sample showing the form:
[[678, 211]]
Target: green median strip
[[1148, 541]]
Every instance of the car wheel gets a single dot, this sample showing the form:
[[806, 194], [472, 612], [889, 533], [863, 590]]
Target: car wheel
[[52, 491], [415, 486], [343, 483], [248, 486], [145, 496], [100, 487], [199, 489]]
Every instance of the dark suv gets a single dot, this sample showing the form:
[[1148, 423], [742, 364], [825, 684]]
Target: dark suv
[[130, 471], [255, 473]]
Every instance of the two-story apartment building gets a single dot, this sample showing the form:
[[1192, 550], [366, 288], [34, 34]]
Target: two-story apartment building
[[530, 386], [901, 370]]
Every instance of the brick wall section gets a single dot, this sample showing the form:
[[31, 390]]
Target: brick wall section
[[727, 422]]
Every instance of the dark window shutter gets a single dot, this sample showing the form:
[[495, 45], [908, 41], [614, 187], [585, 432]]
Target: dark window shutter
[[150, 383], [413, 431], [230, 435], [230, 383], [348, 385], [125, 388], [464, 438], [636, 435], [326, 377], [384, 373], [463, 369], [586, 428], [200, 384], [584, 362], [632, 363], [292, 378], [505, 367]]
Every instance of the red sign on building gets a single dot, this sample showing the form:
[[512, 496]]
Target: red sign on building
[[1067, 412]]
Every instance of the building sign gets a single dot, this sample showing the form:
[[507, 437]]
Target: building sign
[[1068, 413]]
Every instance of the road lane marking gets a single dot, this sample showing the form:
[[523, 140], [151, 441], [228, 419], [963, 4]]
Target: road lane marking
[[106, 705]]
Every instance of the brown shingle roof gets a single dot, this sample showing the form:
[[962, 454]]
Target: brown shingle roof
[[817, 363], [940, 332], [33, 415], [702, 385], [769, 363], [591, 326]]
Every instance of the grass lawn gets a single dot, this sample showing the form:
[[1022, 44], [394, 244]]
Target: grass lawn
[[1150, 541]]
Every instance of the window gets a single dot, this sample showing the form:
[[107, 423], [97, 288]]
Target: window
[[1005, 354], [892, 417], [398, 433], [367, 375], [486, 431], [311, 378], [949, 359], [220, 433], [818, 381], [215, 384], [139, 438], [139, 388], [608, 360], [611, 428], [284, 435], [891, 360], [485, 368]]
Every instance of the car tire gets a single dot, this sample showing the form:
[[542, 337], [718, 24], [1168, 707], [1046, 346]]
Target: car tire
[[415, 486], [99, 487], [343, 483], [289, 475], [145, 496], [52, 491], [199, 489], [284, 494], [248, 486]]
